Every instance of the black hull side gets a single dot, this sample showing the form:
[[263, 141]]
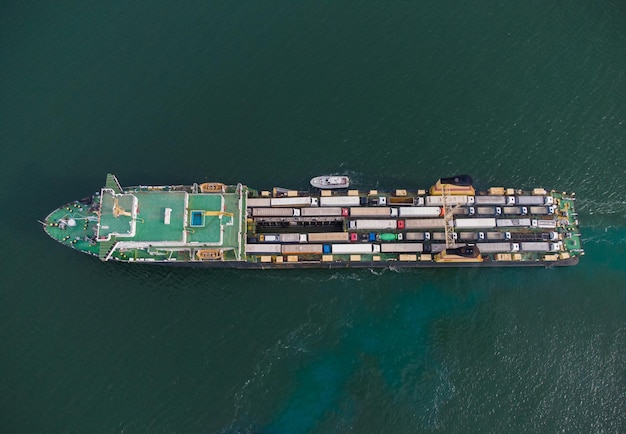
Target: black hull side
[[366, 264]]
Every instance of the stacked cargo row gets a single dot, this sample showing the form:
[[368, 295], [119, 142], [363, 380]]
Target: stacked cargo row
[[405, 201], [439, 223], [370, 248], [408, 212]]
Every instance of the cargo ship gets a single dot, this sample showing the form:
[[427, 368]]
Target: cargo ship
[[449, 224]]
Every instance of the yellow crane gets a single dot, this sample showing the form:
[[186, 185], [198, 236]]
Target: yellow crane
[[448, 216], [118, 210], [218, 213]]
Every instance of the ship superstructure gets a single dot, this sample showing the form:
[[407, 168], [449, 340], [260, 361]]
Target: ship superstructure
[[218, 225]]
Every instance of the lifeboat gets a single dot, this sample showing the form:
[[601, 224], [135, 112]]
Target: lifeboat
[[209, 254], [212, 187]]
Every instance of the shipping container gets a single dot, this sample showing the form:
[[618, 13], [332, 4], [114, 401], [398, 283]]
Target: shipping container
[[289, 238], [545, 224], [321, 211], [468, 236], [538, 210], [423, 223], [272, 212], [485, 210], [512, 210], [530, 200], [494, 247], [439, 236], [258, 201], [407, 257], [339, 249], [291, 201], [401, 247], [506, 223], [422, 211], [489, 200], [359, 211], [252, 249], [494, 236], [340, 201], [451, 200], [535, 247], [437, 247], [328, 236], [414, 236], [382, 224], [475, 223], [394, 200], [496, 191], [301, 249]]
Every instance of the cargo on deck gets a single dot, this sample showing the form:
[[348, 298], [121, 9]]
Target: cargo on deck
[[328, 236], [213, 224], [535, 247], [489, 200], [362, 211], [401, 247], [353, 248], [370, 224], [340, 201], [509, 223], [291, 201], [422, 211], [320, 211], [424, 223], [462, 223], [494, 247], [530, 200], [272, 212]]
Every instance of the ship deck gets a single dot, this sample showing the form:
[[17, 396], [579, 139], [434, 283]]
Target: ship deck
[[154, 223], [165, 217], [286, 229]]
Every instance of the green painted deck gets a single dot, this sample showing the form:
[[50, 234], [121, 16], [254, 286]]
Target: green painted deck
[[156, 223], [110, 224], [211, 231], [151, 216], [220, 212]]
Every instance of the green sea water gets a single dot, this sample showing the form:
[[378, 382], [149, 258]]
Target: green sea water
[[394, 94]]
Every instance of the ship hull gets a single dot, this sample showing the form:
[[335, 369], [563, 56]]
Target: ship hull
[[213, 225], [369, 265]]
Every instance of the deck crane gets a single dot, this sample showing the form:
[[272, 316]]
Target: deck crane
[[448, 216], [118, 210], [219, 214]]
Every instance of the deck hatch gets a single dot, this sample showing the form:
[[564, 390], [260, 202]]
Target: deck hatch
[[196, 219]]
